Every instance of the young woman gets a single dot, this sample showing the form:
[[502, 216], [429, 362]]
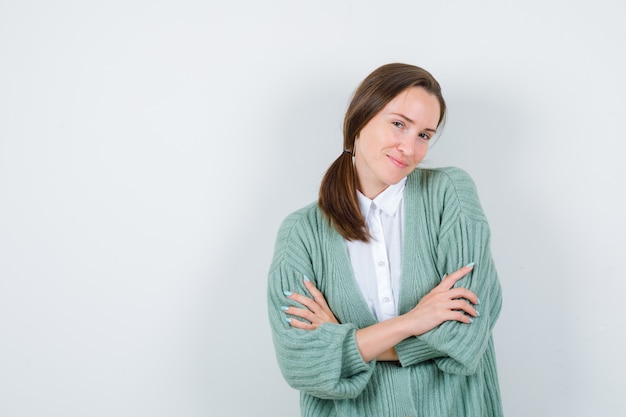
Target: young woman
[[383, 294]]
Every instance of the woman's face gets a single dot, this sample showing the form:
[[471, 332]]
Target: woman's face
[[394, 141]]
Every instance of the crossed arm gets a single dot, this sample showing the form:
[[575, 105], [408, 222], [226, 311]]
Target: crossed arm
[[443, 303]]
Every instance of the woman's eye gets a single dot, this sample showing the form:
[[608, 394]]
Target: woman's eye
[[398, 124], [424, 136]]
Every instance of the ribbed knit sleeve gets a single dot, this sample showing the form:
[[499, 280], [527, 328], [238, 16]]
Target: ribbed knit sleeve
[[325, 362], [413, 351], [464, 237]]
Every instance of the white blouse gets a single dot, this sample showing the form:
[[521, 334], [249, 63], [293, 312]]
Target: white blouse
[[377, 264]]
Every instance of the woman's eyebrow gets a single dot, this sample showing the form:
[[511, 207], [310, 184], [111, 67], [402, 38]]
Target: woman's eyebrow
[[411, 121]]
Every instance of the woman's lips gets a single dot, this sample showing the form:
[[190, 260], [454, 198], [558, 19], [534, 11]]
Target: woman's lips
[[398, 162]]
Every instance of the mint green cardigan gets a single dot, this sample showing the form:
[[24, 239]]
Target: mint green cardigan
[[449, 371]]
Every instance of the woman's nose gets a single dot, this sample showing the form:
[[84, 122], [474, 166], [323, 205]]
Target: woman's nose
[[406, 146]]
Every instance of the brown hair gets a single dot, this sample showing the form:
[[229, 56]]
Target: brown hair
[[338, 191]]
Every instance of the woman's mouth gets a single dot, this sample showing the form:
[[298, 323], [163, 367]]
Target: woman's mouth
[[398, 162]]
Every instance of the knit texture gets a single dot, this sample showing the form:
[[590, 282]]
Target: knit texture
[[449, 371]]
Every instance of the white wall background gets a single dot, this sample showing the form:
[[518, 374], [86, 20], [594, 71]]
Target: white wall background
[[150, 149]]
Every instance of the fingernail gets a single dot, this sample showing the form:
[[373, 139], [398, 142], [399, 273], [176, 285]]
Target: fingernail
[[287, 319], [284, 308], [287, 293], [444, 276], [307, 279], [477, 313], [469, 265], [477, 301], [471, 320]]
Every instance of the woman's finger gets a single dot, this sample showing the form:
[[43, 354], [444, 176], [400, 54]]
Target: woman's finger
[[327, 314], [464, 293], [460, 317], [301, 313], [305, 301], [313, 321], [319, 317], [300, 324], [449, 280], [317, 294], [316, 310], [463, 306]]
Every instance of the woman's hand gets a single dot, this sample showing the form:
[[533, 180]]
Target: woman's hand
[[316, 311], [444, 303]]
